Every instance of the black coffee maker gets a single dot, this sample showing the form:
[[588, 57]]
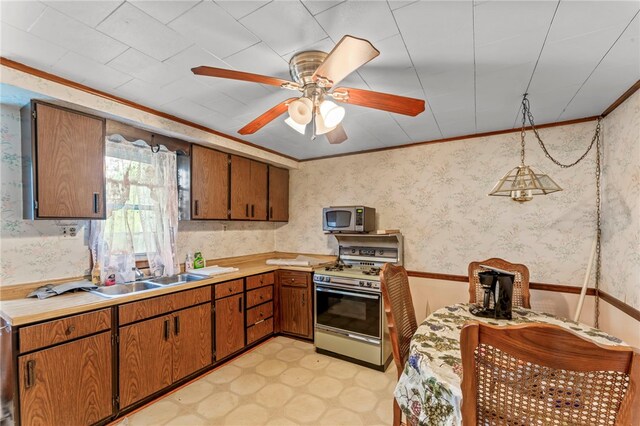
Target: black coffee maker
[[498, 290]]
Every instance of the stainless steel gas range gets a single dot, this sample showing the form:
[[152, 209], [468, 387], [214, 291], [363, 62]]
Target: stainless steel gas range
[[349, 319]]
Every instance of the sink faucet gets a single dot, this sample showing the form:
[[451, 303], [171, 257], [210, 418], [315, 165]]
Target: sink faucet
[[138, 274]]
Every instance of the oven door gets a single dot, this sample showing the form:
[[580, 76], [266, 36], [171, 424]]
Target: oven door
[[348, 311]]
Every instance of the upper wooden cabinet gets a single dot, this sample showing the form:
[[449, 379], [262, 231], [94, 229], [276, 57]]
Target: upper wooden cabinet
[[209, 183], [248, 189], [278, 194], [63, 165]]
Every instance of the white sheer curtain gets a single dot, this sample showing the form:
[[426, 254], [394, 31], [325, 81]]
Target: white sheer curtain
[[142, 211]]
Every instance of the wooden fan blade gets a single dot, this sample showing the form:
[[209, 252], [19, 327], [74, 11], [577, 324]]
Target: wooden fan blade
[[379, 100], [244, 76], [266, 118], [347, 56], [337, 135]]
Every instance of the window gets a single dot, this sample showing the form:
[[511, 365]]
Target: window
[[142, 210]]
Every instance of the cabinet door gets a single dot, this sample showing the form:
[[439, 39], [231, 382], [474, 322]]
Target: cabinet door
[[191, 340], [259, 191], [295, 312], [229, 325], [278, 194], [69, 384], [69, 164], [145, 359], [209, 183], [241, 191]]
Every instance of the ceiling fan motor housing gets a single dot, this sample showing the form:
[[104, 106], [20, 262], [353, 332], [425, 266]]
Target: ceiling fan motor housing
[[303, 64]]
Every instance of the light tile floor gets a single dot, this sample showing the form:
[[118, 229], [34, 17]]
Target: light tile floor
[[282, 382]]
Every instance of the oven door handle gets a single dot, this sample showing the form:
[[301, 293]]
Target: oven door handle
[[347, 293]]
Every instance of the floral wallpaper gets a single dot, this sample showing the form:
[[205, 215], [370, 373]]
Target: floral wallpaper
[[437, 196], [621, 203], [36, 250]]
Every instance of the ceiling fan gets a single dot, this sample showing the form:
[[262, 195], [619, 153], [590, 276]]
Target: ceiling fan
[[315, 74]]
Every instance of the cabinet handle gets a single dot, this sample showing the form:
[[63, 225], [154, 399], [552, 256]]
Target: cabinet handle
[[246, 210], [167, 329], [96, 202], [240, 304], [252, 210], [302, 299], [70, 330], [30, 377], [270, 212], [176, 324], [196, 208]]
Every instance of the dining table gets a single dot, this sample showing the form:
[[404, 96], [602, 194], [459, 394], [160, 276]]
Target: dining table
[[429, 389]]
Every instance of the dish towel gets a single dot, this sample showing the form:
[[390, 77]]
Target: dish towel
[[213, 270], [298, 261]]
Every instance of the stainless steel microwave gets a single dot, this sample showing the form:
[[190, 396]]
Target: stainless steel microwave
[[348, 219]]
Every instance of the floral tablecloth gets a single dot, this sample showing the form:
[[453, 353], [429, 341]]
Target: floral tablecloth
[[429, 390]]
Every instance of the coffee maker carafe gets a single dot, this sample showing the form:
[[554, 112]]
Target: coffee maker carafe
[[498, 290]]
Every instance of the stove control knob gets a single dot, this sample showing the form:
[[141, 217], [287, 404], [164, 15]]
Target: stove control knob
[[327, 279], [353, 250], [369, 284], [361, 283]]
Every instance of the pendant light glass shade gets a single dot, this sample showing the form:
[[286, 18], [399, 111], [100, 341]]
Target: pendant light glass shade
[[332, 114], [301, 110], [523, 182], [321, 127], [300, 128]]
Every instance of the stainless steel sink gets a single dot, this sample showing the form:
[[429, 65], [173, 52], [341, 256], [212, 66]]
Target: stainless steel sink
[[176, 279], [124, 289]]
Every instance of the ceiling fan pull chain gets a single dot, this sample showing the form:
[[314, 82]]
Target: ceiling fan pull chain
[[527, 110]]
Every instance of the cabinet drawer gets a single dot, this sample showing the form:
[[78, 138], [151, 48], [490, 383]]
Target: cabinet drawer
[[259, 313], [259, 330], [148, 308], [229, 288], [261, 280], [261, 295], [61, 330], [294, 278]]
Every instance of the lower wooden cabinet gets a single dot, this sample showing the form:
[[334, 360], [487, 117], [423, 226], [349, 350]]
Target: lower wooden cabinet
[[295, 303], [68, 384], [158, 352], [229, 325]]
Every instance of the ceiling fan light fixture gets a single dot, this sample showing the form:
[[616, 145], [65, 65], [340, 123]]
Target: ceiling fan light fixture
[[321, 127], [300, 128], [331, 113], [301, 110]]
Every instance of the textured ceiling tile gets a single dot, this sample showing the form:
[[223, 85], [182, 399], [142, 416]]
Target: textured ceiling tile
[[395, 80], [145, 68], [28, 49], [193, 57], [21, 14], [239, 9], [212, 28], [94, 74], [575, 18], [186, 87], [618, 70], [58, 28], [221, 103], [164, 11], [369, 20], [90, 13], [317, 6], [187, 109], [260, 59], [132, 26], [137, 91], [285, 26]]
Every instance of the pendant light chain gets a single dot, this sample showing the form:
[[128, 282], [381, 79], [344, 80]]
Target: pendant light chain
[[526, 112]]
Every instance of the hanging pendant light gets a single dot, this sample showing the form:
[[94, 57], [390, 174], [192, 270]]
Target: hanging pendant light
[[524, 182]]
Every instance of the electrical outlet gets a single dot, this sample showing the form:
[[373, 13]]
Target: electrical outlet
[[69, 231]]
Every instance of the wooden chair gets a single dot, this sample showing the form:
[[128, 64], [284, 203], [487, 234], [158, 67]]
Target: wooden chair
[[543, 374], [521, 296], [401, 319]]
